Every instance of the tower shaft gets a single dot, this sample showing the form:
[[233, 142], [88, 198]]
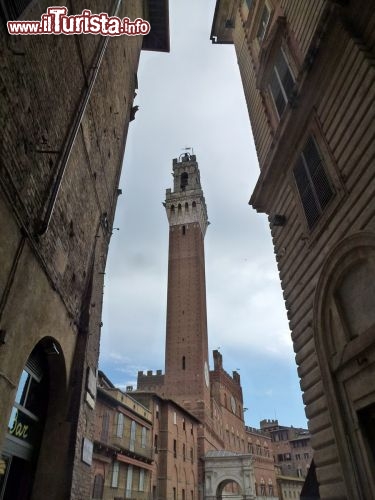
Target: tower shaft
[[186, 356]]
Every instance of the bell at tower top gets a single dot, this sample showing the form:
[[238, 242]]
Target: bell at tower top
[[186, 204]]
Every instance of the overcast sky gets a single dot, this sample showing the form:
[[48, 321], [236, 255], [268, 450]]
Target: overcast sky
[[193, 97]]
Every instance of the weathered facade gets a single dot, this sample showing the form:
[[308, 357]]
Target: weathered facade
[[65, 107], [123, 453], [308, 77], [175, 449]]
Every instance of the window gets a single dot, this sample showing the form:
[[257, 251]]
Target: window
[[157, 411], [115, 469], [270, 488], [183, 230], [184, 180], [263, 23], [120, 425], [191, 455], [105, 427], [156, 443], [141, 486], [175, 418], [183, 360], [174, 494], [312, 182], [281, 82], [175, 448], [183, 494], [144, 437], [129, 481], [133, 429], [184, 452], [97, 491]]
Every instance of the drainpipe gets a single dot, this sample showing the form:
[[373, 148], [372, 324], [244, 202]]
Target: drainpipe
[[43, 224]]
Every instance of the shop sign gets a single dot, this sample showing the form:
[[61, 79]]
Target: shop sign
[[22, 426]]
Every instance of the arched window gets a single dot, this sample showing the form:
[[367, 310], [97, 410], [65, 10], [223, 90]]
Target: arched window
[[179, 207], [184, 180], [172, 208], [187, 206], [194, 204], [97, 491]]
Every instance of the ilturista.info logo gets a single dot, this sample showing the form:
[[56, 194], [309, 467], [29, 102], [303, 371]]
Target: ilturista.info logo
[[57, 22]]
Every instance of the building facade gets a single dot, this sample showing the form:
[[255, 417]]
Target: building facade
[[308, 77], [65, 107], [259, 447], [175, 449], [123, 453]]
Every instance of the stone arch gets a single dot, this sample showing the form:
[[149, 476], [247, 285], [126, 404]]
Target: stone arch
[[41, 392], [344, 334], [223, 468], [229, 488]]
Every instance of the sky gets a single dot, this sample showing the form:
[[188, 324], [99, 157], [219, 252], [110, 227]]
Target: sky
[[193, 97]]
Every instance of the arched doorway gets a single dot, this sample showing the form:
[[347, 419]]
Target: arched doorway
[[23, 443], [228, 475], [229, 489], [344, 330]]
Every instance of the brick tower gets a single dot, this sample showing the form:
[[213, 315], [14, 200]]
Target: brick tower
[[186, 351]]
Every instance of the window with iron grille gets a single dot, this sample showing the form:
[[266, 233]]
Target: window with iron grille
[[313, 185], [281, 82], [13, 9]]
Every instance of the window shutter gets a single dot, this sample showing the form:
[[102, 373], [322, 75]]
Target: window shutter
[[312, 182], [115, 470], [306, 194], [97, 491], [319, 178]]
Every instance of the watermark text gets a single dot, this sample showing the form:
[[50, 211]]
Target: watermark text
[[57, 22]]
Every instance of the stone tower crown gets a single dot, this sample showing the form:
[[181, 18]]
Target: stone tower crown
[[186, 204]]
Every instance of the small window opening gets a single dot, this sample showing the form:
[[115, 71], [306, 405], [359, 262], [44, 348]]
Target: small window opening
[[183, 229], [183, 362], [184, 180]]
